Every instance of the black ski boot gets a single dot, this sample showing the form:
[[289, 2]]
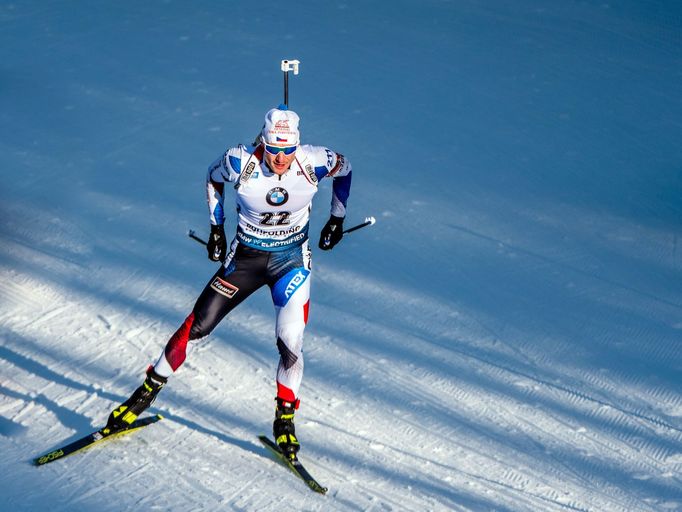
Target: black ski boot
[[283, 429], [126, 413]]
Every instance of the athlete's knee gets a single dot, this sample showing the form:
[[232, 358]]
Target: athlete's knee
[[289, 345], [289, 357], [292, 334], [200, 329], [205, 320]]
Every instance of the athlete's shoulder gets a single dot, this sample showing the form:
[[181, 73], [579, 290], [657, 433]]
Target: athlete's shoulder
[[308, 150], [317, 155], [325, 161], [236, 158], [230, 164]]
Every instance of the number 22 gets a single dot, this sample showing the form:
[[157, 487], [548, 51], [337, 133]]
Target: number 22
[[275, 218]]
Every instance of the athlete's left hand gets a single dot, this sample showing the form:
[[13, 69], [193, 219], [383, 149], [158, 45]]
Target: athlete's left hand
[[332, 233]]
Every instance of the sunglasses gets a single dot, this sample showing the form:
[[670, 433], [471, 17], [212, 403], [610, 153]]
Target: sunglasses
[[273, 150]]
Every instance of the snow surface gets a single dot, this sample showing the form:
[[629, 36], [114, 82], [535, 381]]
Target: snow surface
[[506, 337]]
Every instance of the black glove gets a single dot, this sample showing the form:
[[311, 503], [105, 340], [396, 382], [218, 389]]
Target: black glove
[[332, 233], [217, 246]]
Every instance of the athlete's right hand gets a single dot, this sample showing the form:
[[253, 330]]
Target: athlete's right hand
[[217, 246]]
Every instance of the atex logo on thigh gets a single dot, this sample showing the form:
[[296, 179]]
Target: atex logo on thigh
[[287, 286], [293, 285]]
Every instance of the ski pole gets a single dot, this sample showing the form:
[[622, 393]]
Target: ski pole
[[368, 222], [195, 237]]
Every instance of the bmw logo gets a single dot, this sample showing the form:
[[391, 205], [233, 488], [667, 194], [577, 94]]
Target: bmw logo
[[277, 196]]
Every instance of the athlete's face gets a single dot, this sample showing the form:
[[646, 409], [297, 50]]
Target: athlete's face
[[279, 163]]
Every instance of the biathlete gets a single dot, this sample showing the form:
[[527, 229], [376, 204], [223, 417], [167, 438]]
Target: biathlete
[[274, 183]]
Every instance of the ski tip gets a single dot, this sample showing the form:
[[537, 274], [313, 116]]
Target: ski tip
[[159, 416], [371, 220], [318, 488]]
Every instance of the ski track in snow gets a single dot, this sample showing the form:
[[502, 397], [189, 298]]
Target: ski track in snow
[[506, 337]]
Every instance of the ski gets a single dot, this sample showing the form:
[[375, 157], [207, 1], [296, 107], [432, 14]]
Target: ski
[[92, 439], [293, 464]]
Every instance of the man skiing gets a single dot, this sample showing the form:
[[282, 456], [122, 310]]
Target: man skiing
[[275, 183]]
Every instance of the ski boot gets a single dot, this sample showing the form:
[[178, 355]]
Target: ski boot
[[283, 428], [125, 414]]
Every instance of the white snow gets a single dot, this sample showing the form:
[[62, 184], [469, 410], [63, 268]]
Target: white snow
[[507, 336]]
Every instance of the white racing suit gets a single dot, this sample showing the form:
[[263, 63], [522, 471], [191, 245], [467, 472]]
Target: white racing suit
[[270, 248]]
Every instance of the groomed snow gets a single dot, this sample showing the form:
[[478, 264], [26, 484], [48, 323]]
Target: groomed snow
[[507, 336]]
